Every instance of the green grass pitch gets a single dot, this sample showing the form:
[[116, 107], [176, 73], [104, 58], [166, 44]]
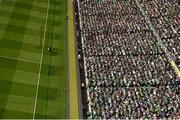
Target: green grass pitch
[[23, 30]]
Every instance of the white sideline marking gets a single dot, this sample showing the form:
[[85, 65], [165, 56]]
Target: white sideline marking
[[40, 66]]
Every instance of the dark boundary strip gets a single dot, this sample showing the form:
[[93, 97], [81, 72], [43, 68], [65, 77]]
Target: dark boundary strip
[[67, 67], [80, 62], [77, 61], [76, 37]]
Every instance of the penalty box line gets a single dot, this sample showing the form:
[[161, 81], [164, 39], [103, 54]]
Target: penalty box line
[[19, 59]]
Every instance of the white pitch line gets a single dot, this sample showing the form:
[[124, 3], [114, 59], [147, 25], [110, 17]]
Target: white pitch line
[[19, 59], [40, 66]]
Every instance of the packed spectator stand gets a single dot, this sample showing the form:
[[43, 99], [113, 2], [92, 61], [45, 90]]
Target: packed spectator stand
[[126, 72]]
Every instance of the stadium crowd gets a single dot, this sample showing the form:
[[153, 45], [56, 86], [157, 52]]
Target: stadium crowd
[[165, 17], [128, 74]]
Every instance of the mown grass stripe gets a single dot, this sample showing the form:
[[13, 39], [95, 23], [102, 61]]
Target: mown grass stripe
[[14, 63], [11, 114], [24, 4], [21, 16], [13, 44], [25, 66], [18, 87], [23, 77], [21, 30]]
